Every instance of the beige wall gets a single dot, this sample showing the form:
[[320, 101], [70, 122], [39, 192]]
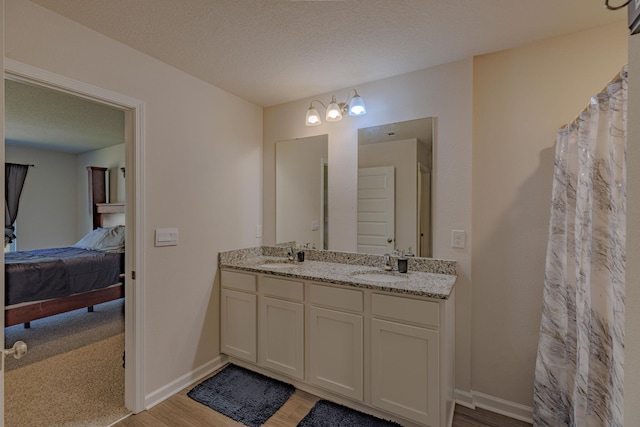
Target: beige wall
[[47, 213], [521, 97], [632, 301], [442, 92], [202, 174], [299, 179]]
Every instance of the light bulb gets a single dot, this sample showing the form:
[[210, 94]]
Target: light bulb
[[333, 111], [356, 106], [313, 118]]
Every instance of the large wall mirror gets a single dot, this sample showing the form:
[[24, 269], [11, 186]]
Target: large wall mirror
[[301, 191], [394, 187]]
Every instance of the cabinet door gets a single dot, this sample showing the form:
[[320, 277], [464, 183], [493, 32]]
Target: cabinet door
[[282, 336], [405, 370], [238, 324], [336, 346]]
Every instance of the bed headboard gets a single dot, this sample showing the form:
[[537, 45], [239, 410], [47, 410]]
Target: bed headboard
[[99, 208]]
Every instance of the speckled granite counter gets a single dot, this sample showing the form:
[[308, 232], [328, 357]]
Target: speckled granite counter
[[426, 277]]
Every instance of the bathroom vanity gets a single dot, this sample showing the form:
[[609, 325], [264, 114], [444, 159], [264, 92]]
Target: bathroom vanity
[[341, 327]]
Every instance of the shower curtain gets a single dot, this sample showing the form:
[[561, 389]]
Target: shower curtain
[[579, 366]]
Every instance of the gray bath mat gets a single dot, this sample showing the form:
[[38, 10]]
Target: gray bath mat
[[242, 395], [329, 414]]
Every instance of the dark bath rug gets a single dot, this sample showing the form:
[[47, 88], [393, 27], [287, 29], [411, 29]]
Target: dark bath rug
[[329, 414], [242, 395]]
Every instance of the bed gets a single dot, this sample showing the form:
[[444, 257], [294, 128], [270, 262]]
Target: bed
[[44, 282]]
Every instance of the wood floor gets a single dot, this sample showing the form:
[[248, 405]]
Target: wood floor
[[181, 410]]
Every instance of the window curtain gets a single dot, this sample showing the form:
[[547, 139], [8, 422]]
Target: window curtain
[[579, 366], [14, 182]]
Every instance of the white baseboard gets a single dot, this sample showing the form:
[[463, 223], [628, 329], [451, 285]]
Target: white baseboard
[[464, 398], [500, 406], [163, 393]]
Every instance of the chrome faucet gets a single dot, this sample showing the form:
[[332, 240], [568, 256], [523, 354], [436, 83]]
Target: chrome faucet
[[387, 262]]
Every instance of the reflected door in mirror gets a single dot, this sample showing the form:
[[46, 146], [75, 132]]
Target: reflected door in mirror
[[376, 210], [407, 148]]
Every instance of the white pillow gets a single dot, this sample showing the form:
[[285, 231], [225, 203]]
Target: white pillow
[[103, 239]]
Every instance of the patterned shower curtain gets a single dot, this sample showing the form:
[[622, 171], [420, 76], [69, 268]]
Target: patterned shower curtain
[[579, 367]]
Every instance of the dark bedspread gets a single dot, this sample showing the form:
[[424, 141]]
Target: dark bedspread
[[58, 272]]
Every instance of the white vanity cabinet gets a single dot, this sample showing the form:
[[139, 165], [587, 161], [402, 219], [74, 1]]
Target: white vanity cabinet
[[336, 340], [281, 326], [405, 355], [238, 311], [385, 352]]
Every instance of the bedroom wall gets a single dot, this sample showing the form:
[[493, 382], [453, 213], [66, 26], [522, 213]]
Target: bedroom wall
[[47, 211], [521, 98], [111, 158], [202, 174]]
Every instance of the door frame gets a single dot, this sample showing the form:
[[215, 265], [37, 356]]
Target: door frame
[[134, 181]]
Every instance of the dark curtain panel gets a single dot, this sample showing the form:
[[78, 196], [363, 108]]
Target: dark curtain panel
[[14, 181]]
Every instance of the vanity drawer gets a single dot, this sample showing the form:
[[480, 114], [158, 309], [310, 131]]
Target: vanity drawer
[[240, 281], [345, 299], [422, 312], [282, 288]]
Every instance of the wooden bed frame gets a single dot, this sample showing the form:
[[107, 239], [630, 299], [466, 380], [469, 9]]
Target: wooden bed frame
[[25, 313]]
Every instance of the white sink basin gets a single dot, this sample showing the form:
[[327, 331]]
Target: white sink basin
[[380, 277]]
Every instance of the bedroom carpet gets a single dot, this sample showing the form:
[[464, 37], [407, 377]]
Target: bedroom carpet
[[65, 332], [81, 387]]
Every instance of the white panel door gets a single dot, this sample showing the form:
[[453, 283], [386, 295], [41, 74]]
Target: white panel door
[[376, 210]]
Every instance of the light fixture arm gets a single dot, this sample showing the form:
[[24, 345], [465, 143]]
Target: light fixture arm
[[345, 105], [317, 100]]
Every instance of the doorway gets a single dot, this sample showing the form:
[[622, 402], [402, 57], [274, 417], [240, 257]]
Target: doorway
[[133, 125]]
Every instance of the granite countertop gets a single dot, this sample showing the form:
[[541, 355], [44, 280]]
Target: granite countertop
[[421, 283]]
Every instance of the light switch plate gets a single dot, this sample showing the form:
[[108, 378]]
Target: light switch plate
[[166, 237], [457, 239]]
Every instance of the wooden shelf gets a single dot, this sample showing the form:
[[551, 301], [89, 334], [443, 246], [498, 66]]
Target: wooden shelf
[[103, 208]]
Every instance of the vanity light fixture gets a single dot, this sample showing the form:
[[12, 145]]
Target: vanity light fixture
[[354, 105]]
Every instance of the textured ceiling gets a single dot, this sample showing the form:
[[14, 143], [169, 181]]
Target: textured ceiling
[[275, 51]]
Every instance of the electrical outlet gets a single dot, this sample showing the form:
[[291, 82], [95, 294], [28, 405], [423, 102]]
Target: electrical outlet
[[258, 230], [457, 239]]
